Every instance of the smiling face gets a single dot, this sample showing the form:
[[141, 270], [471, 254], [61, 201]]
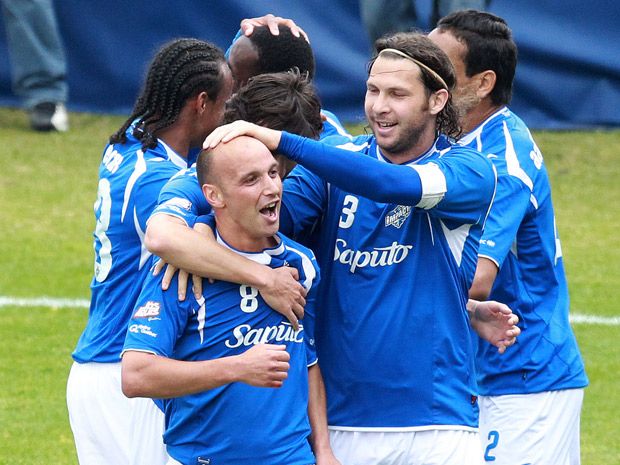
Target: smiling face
[[397, 109], [245, 191]]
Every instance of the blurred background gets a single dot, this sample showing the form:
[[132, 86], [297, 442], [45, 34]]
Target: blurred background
[[568, 75]]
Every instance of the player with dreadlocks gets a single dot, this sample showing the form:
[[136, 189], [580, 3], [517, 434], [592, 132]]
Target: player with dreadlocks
[[182, 101]]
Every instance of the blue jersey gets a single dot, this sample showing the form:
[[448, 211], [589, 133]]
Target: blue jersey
[[234, 424], [332, 126], [521, 238], [129, 183], [392, 327]]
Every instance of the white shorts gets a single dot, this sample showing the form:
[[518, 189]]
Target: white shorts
[[108, 427], [540, 428], [427, 447]]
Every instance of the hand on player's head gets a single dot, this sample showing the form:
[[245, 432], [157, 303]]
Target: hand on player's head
[[272, 22]]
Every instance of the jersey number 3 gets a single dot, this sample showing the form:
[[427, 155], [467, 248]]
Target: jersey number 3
[[349, 207]]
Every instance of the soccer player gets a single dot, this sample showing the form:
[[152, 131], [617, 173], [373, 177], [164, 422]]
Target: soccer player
[[206, 355], [283, 101], [260, 50], [392, 323], [183, 99], [531, 397]]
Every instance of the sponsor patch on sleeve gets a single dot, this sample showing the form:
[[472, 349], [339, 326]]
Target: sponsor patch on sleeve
[[148, 310]]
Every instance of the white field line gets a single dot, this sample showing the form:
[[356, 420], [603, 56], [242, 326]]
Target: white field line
[[49, 302], [55, 302]]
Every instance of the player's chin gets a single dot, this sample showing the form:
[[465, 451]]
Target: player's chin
[[272, 229]]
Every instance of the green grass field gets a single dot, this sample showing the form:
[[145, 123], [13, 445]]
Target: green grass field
[[47, 189]]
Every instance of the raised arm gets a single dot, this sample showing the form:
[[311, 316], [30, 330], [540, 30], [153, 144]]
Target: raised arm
[[361, 175]]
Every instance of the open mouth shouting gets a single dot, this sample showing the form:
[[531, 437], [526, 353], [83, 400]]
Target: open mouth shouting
[[270, 211]]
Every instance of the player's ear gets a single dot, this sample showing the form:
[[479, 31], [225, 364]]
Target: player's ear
[[437, 101], [201, 102], [486, 83], [213, 195]]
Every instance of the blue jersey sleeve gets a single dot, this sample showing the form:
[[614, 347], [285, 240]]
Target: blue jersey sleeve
[[361, 175], [303, 202], [145, 194], [158, 318], [507, 212], [470, 186], [182, 198]]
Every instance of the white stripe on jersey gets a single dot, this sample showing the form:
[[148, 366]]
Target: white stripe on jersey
[[138, 171], [433, 185], [352, 146], [456, 239], [309, 270], [341, 131], [512, 162], [144, 253]]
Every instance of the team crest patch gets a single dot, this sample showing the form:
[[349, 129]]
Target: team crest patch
[[148, 310], [398, 216]]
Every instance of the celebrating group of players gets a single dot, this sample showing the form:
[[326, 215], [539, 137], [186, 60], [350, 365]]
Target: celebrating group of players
[[355, 347]]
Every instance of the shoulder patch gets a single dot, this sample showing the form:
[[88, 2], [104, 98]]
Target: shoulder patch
[[148, 310]]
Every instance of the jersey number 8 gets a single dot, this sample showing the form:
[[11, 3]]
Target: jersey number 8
[[249, 301]]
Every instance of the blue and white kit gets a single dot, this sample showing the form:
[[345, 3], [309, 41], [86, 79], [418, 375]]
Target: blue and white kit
[[235, 423], [396, 352], [107, 426], [521, 238], [129, 183], [392, 326]]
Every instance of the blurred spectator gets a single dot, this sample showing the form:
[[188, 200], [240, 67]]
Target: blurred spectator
[[382, 17], [38, 62]]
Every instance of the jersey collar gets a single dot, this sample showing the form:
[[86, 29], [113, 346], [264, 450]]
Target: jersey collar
[[468, 138], [263, 257], [173, 157]]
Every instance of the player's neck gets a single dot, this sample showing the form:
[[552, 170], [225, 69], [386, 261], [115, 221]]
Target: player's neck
[[478, 115], [417, 149], [176, 139], [242, 241]]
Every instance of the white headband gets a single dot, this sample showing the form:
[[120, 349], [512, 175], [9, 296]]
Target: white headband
[[419, 63]]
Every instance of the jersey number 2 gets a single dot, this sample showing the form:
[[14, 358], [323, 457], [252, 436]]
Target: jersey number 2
[[494, 439]]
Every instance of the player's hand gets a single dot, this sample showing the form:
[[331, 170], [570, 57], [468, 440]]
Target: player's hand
[[495, 323], [227, 132], [326, 458], [264, 365], [182, 279], [272, 22], [284, 294]]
